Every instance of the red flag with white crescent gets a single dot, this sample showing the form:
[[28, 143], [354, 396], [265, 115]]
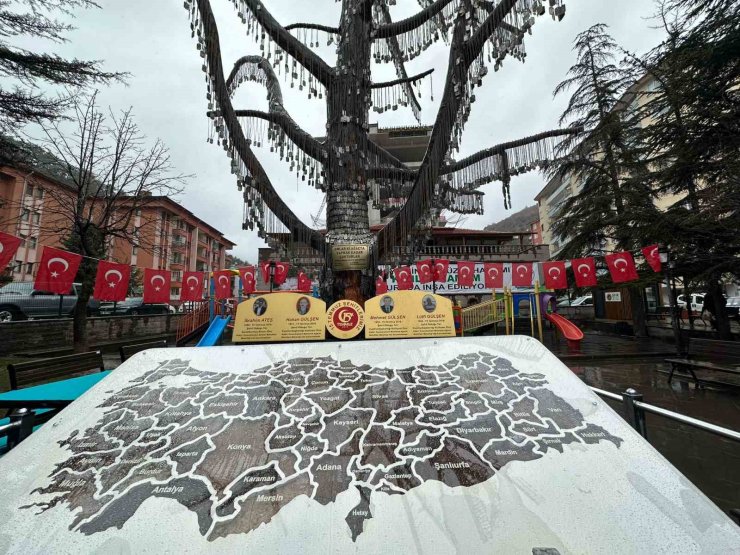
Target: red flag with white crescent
[[465, 274], [222, 284], [265, 268], [381, 286], [192, 287], [111, 281], [521, 274], [494, 275], [403, 278], [555, 277], [281, 272], [57, 271], [304, 282], [621, 267], [8, 247], [441, 267], [584, 269], [425, 271], [157, 286], [651, 254], [247, 275]]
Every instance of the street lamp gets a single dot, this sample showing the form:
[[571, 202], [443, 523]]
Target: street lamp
[[272, 274], [668, 267]]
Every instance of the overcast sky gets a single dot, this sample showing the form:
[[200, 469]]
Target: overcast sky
[[151, 40]]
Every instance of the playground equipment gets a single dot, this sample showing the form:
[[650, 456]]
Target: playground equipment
[[214, 332]]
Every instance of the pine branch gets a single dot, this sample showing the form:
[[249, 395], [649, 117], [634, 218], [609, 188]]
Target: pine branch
[[28, 66], [291, 45]]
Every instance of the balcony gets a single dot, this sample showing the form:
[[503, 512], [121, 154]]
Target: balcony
[[492, 252]]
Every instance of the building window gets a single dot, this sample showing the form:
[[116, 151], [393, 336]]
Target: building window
[[134, 250], [36, 218], [39, 193], [174, 291], [25, 213], [138, 212], [29, 191], [29, 268], [32, 241]]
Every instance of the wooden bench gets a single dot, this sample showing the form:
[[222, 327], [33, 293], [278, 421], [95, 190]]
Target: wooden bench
[[24, 374], [127, 351], [708, 354]]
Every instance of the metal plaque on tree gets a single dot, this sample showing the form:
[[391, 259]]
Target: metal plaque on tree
[[350, 256]]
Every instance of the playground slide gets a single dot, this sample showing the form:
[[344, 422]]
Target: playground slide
[[570, 331], [214, 331]]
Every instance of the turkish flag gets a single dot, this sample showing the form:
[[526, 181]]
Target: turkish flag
[[494, 275], [157, 286], [521, 274], [465, 274], [111, 281], [425, 271], [584, 269], [265, 268], [555, 276], [192, 288], [381, 286], [440, 270], [222, 284], [8, 247], [304, 282], [621, 267], [651, 254], [247, 275], [57, 271], [281, 272], [403, 277]]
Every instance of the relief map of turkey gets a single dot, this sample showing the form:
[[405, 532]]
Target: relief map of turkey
[[237, 448]]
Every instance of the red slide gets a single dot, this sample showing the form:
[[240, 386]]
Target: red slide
[[570, 331]]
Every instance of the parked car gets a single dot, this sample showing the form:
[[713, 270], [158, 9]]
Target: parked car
[[733, 307], [20, 301], [133, 306], [586, 300], [697, 301]]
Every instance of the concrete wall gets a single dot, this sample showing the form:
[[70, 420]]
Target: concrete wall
[[47, 335]]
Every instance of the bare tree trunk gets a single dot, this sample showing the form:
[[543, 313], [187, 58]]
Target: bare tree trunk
[[79, 318], [719, 302], [639, 320]]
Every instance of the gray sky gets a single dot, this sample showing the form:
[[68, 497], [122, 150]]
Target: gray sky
[[151, 40]]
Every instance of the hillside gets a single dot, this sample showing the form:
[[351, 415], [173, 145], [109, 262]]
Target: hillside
[[519, 221]]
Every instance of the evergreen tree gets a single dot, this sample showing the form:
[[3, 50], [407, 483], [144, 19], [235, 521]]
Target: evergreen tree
[[693, 140], [25, 71], [613, 206]]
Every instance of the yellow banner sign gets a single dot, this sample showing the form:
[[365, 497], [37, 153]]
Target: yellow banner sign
[[408, 314], [280, 317], [350, 256]]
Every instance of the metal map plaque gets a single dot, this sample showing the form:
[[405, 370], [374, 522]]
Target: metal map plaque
[[434, 446]]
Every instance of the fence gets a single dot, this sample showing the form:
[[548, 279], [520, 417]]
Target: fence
[[482, 315], [635, 410]]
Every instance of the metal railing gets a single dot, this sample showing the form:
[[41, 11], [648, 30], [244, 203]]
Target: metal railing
[[471, 250], [635, 410], [197, 315], [482, 314]]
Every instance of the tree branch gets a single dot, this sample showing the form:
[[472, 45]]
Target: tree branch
[[303, 140], [410, 23], [292, 46], [314, 26], [411, 79]]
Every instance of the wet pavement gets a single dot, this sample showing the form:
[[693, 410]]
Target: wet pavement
[[709, 461]]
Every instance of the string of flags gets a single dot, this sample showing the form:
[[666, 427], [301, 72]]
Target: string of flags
[[58, 269], [621, 266]]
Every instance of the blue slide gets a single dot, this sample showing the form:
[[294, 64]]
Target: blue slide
[[214, 331]]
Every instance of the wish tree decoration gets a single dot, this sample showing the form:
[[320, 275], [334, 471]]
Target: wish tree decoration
[[346, 165]]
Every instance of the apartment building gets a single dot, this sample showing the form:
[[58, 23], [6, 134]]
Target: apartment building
[[164, 234]]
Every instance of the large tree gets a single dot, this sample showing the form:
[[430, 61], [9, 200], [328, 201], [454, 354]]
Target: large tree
[[693, 141], [25, 72], [108, 173], [346, 164], [613, 207]]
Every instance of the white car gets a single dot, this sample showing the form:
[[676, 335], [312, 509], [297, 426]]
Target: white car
[[697, 301], [586, 300]]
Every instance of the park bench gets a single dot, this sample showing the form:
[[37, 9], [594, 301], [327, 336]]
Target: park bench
[[127, 351], [24, 374], [710, 355]]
